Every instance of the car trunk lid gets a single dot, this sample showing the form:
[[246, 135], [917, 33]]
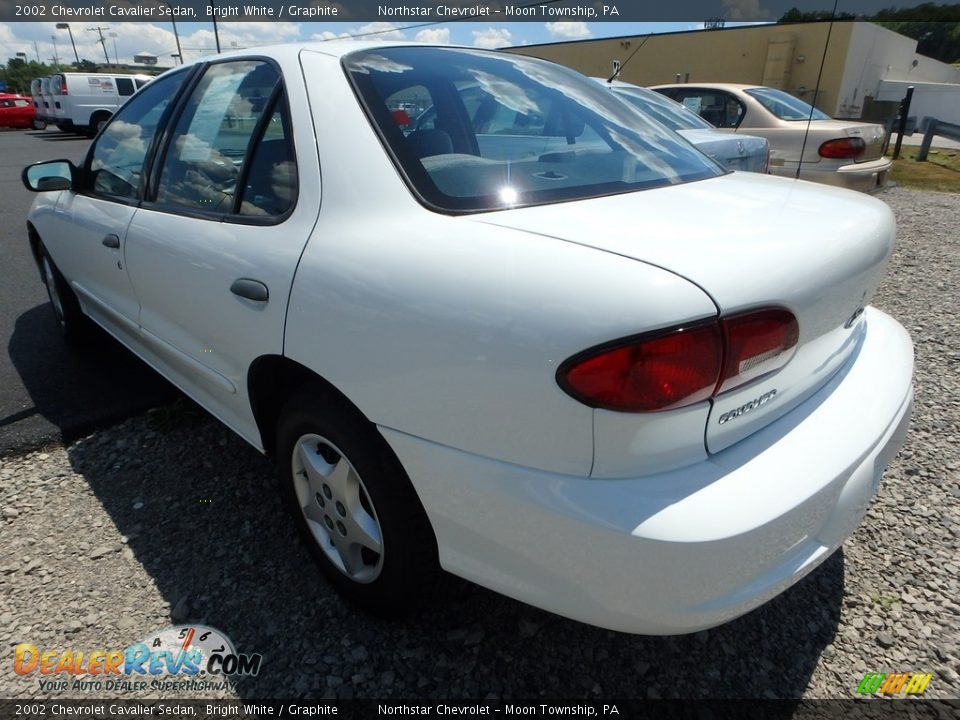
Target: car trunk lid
[[733, 152], [749, 241]]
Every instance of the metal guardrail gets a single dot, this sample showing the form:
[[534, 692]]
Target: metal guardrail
[[936, 127]]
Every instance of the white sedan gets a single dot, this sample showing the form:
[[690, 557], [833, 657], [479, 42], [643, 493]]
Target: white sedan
[[590, 369]]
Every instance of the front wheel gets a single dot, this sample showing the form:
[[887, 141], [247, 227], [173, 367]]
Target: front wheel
[[39, 124], [353, 504], [73, 324]]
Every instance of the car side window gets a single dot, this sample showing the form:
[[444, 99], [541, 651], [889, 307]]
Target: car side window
[[204, 162], [270, 181], [117, 160], [124, 87], [718, 108]]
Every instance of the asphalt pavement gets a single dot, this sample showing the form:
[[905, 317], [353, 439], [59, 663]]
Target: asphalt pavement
[[49, 392]]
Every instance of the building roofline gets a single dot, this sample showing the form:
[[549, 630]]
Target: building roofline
[[681, 32]]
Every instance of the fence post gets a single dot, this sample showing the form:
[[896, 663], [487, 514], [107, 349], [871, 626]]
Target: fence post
[[904, 111], [927, 140]]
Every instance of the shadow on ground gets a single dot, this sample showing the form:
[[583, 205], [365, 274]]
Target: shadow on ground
[[68, 392], [211, 532]]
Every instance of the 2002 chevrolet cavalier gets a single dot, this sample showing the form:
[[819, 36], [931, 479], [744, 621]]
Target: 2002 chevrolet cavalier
[[538, 342]]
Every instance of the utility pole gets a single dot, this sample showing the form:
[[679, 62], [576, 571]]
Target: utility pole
[[103, 41], [56, 54], [37, 51]]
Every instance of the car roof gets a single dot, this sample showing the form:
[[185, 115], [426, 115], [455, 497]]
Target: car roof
[[335, 48], [710, 86]]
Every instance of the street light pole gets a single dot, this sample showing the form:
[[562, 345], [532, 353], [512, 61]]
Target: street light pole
[[56, 54], [116, 55], [175, 33], [66, 26]]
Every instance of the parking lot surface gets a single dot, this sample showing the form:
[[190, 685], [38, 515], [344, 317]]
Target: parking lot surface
[[167, 517], [47, 391]]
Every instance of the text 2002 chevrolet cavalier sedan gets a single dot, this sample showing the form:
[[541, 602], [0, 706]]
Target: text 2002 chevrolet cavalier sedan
[[589, 369]]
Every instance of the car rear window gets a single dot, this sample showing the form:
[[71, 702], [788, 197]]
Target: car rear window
[[672, 114], [784, 105], [502, 131]]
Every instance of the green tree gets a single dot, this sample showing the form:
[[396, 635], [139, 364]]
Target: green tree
[[18, 73], [936, 28]]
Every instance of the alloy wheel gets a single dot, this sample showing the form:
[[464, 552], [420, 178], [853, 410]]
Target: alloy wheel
[[338, 510]]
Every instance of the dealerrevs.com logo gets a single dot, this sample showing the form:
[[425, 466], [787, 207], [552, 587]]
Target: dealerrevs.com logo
[[890, 684], [182, 657]]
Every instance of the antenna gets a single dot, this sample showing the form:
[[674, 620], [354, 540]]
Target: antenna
[[816, 90], [624, 63]]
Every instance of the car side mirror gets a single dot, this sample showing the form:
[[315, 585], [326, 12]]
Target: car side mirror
[[49, 175]]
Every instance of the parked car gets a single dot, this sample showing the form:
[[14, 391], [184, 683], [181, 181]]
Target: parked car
[[611, 381], [744, 152], [83, 102], [16, 111], [848, 153]]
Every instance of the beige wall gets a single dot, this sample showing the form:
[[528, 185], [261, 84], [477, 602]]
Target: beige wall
[[728, 55]]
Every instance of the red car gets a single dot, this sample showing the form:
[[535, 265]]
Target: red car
[[16, 111]]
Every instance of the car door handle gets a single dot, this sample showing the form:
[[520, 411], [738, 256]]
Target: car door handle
[[111, 241], [250, 289]]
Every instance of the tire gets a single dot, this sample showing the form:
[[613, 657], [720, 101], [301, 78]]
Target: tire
[[74, 325], [97, 122], [353, 504], [39, 124]]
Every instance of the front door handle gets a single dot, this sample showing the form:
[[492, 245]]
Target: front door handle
[[250, 289], [111, 241]]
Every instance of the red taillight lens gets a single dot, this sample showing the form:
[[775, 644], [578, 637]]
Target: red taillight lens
[[843, 148], [756, 343], [668, 369], [681, 366]]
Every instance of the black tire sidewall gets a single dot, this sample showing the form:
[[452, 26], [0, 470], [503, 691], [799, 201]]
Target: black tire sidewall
[[74, 324], [409, 548]]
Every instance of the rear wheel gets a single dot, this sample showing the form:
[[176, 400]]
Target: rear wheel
[[353, 504], [39, 124], [66, 308], [97, 122]]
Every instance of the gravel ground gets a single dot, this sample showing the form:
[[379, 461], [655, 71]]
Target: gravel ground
[[168, 517]]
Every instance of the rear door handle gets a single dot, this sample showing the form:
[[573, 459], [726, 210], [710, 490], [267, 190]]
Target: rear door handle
[[111, 241], [250, 289]]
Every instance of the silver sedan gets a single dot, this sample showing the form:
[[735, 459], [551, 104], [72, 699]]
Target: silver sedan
[[744, 152]]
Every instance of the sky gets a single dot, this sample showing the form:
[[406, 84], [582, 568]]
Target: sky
[[197, 39]]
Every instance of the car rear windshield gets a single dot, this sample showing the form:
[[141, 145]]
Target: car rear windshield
[[785, 106], [672, 114], [473, 130]]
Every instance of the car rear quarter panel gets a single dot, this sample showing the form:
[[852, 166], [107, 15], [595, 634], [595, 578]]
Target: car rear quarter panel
[[453, 330]]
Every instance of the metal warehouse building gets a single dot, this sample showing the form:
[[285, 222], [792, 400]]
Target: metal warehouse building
[[866, 71]]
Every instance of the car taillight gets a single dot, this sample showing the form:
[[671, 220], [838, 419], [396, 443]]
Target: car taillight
[[756, 343], [842, 148], [683, 365], [652, 372]]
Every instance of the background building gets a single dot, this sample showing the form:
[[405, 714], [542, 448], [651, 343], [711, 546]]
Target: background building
[[865, 73]]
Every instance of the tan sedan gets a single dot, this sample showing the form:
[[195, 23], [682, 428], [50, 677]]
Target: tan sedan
[[848, 153]]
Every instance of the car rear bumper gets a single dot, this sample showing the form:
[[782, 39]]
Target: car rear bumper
[[865, 176], [684, 550]]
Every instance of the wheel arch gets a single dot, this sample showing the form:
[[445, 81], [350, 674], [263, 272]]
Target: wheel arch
[[35, 243], [271, 380]]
